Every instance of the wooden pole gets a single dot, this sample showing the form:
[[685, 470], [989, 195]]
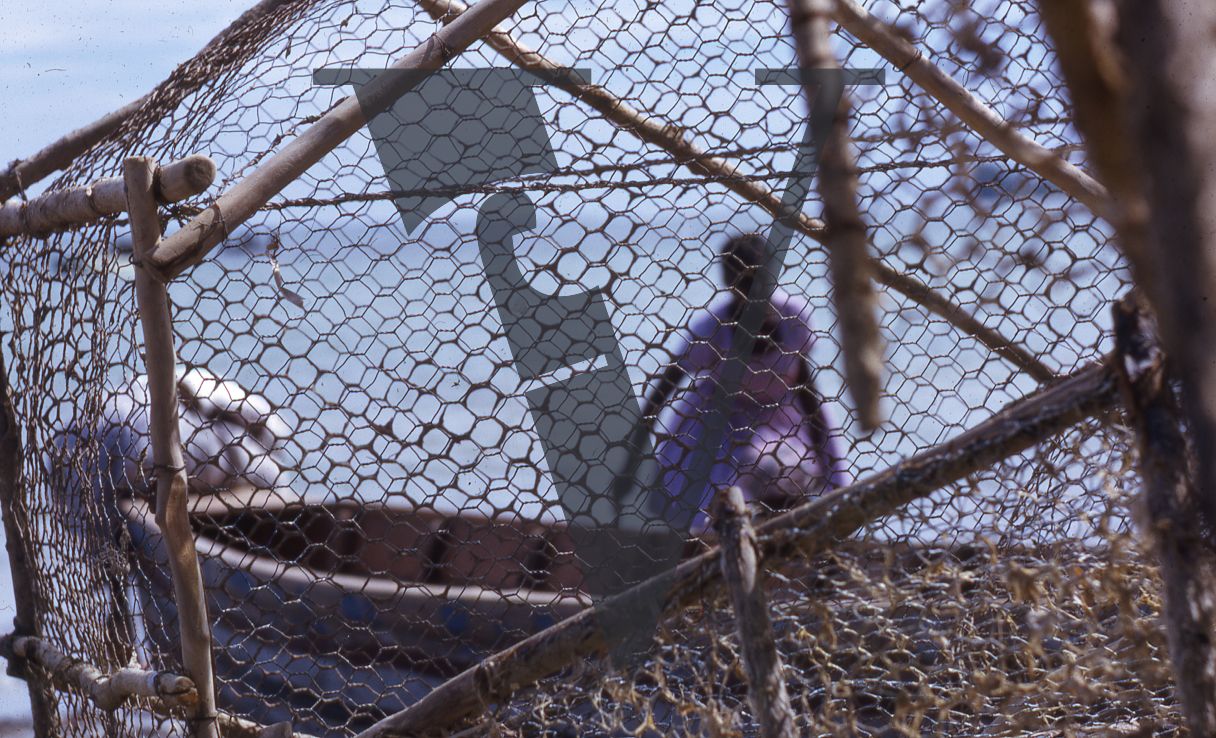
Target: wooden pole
[[761, 662], [808, 529], [844, 230], [209, 228], [981, 118], [1138, 89], [80, 205], [24, 173], [107, 691], [671, 139], [1084, 44], [160, 360], [1175, 520], [16, 534], [1169, 55]]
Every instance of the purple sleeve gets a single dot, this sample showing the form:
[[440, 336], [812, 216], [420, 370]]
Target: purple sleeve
[[796, 321], [702, 346]]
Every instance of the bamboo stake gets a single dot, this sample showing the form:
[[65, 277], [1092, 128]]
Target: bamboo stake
[[171, 483], [761, 662], [76, 206], [16, 530], [24, 173], [208, 229], [670, 138], [809, 529], [844, 230], [969, 109], [107, 691], [1175, 519]]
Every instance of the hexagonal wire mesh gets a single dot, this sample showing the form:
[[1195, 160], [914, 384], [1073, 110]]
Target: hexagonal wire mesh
[[413, 526]]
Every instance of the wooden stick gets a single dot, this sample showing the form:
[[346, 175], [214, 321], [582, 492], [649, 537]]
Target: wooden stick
[[232, 726], [809, 529], [24, 173], [982, 119], [671, 139], [208, 229], [138, 683], [81, 205], [761, 661], [1172, 113], [16, 534], [844, 230], [1097, 83], [107, 691], [1175, 521], [171, 483], [1147, 129]]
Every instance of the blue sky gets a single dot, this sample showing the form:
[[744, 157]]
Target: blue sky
[[64, 64]]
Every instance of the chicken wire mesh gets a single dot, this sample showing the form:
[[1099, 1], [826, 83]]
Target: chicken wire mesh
[[373, 506]]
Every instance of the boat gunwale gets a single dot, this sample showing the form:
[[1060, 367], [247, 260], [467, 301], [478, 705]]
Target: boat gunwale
[[300, 577]]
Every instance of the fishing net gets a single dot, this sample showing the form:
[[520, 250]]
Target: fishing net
[[373, 504]]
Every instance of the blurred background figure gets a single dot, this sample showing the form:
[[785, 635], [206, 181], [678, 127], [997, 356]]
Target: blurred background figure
[[780, 446]]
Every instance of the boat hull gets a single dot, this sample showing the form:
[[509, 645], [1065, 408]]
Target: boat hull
[[336, 615]]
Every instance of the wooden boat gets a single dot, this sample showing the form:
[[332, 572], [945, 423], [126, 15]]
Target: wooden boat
[[334, 615]]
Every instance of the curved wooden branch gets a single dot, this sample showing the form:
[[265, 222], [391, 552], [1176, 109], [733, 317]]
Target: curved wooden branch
[[208, 229], [809, 529]]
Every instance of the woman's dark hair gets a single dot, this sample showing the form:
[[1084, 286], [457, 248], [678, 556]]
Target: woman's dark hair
[[746, 252]]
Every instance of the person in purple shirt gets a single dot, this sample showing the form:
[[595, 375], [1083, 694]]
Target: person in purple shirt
[[779, 446]]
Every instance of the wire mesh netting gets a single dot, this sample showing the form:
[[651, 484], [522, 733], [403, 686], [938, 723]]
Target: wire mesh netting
[[373, 507]]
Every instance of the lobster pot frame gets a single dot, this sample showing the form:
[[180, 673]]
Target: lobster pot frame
[[409, 563]]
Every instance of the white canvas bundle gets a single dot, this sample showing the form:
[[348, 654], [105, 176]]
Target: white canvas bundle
[[231, 438]]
